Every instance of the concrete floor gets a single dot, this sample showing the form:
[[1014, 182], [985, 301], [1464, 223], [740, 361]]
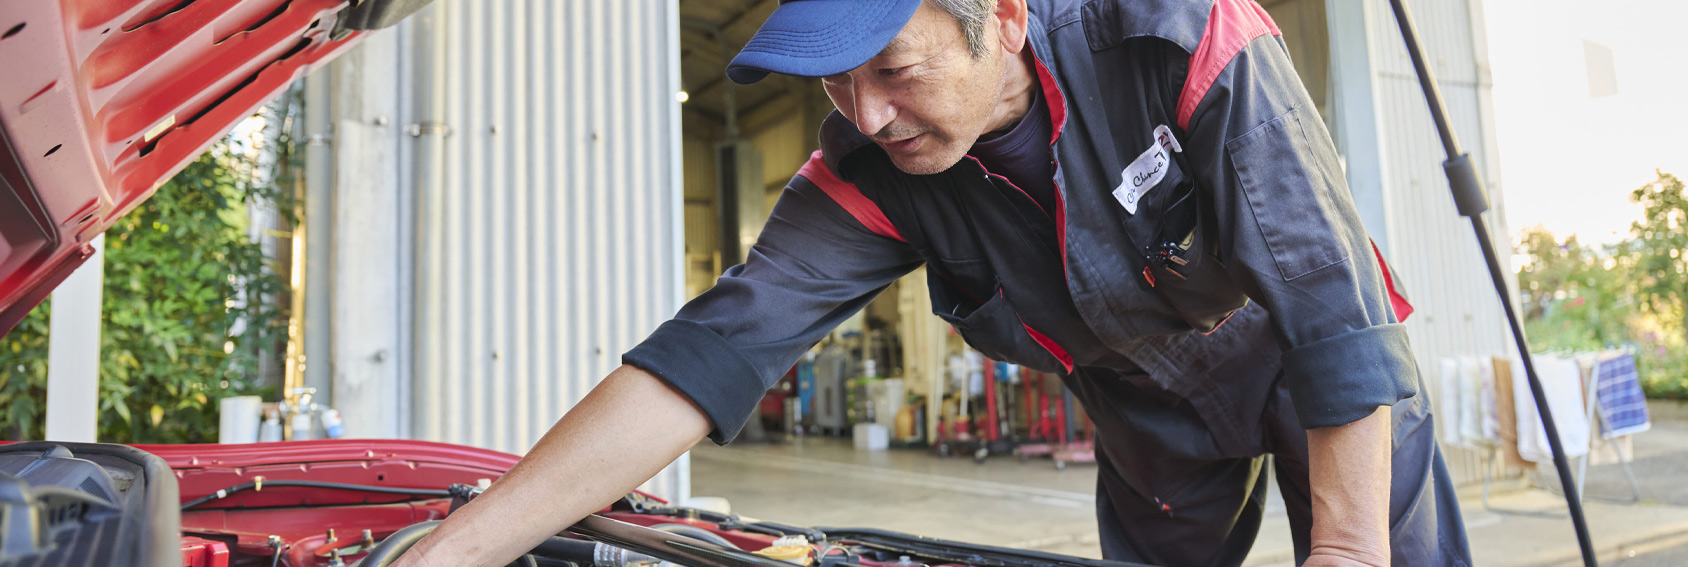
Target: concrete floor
[[824, 482]]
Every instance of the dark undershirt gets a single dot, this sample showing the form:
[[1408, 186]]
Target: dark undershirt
[[1022, 154]]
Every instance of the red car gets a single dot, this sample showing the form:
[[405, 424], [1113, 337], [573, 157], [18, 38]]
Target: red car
[[101, 101]]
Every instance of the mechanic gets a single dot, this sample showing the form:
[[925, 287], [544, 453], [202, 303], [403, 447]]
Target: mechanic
[[1137, 195]]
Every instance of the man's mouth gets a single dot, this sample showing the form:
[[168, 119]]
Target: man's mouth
[[906, 145]]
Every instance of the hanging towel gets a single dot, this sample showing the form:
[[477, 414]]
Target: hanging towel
[[1623, 409], [1471, 402], [1447, 402], [1560, 378], [1488, 402], [1506, 412]]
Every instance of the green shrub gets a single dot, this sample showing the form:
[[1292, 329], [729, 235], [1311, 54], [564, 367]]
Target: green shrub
[[1662, 371], [191, 305]]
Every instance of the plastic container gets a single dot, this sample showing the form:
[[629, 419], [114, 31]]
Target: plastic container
[[332, 425], [872, 437]]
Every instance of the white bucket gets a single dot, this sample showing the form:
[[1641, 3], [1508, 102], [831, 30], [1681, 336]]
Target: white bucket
[[238, 417]]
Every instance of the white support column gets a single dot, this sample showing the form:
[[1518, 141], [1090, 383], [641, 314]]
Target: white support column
[[73, 352], [1358, 130], [367, 285]]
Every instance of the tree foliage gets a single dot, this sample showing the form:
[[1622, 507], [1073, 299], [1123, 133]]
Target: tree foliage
[[191, 302], [1631, 294], [1659, 245], [1573, 294]]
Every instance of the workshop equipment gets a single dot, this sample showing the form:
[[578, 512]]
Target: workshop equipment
[[832, 369]]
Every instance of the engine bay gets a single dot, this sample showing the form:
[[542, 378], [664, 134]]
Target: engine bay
[[337, 503]]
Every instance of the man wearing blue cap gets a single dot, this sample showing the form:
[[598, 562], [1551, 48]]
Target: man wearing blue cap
[[1135, 194]]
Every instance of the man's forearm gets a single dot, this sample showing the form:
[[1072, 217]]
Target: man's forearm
[[1349, 468], [621, 434]]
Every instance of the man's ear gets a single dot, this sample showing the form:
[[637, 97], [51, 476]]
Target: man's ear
[[1011, 25]]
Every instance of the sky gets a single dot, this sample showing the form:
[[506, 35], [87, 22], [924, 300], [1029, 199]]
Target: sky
[[1568, 161]]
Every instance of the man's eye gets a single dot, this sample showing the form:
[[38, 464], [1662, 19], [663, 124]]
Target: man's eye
[[894, 71]]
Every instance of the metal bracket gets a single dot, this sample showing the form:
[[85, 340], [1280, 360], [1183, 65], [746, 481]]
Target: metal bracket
[[422, 128]]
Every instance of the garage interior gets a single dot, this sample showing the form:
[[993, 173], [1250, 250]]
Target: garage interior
[[875, 419]]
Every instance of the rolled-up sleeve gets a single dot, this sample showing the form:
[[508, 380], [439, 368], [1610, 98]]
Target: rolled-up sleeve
[[813, 266], [1289, 233]]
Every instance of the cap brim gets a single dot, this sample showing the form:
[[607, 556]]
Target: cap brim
[[818, 38]]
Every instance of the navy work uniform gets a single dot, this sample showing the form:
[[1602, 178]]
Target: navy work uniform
[[1200, 280]]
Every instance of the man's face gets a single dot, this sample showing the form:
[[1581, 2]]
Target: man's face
[[925, 99]]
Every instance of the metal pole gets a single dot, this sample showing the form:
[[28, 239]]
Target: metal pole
[[429, 131], [316, 228], [1472, 200]]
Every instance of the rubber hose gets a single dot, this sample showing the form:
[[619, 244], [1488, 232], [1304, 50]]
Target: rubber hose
[[389, 550], [695, 533], [576, 551]]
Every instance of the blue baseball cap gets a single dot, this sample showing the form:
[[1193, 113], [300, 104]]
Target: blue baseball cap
[[818, 38]]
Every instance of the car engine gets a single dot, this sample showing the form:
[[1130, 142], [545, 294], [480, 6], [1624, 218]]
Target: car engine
[[363, 503]]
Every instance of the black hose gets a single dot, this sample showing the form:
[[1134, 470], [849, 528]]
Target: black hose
[[389, 550], [577, 551], [224, 493], [695, 533]]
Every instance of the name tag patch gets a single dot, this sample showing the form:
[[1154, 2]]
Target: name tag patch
[[1147, 170]]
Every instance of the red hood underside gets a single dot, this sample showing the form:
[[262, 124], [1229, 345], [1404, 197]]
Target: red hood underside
[[103, 100]]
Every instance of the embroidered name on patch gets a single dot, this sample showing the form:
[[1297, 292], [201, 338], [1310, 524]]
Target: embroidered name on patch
[[1147, 170]]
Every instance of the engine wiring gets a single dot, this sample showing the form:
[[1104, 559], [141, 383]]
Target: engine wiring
[[259, 484], [876, 540]]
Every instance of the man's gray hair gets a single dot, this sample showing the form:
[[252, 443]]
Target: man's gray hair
[[972, 14]]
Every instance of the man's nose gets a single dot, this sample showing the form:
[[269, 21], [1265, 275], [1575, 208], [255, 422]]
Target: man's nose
[[874, 110]]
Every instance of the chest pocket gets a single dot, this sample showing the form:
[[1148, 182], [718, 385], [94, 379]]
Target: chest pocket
[[966, 295], [1175, 233]]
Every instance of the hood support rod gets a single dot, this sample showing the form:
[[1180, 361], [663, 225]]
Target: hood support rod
[[1471, 199]]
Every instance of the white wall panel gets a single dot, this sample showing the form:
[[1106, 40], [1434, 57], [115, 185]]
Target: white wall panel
[[548, 225]]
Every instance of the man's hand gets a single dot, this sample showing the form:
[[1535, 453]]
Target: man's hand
[[624, 432], [1335, 561], [1350, 481]]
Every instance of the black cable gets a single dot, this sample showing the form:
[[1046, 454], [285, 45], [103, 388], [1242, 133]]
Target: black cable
[[695, 532], [389, 550], [224, 493], [1472, 201], [963, 553], [727, 522]]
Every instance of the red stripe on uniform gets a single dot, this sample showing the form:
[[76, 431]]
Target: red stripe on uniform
[[1049, 345], [1058, 117], [1230, 28], [849, 196], [1396, 300]]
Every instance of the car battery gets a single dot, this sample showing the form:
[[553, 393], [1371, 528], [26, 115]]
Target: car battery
[[832, 370]]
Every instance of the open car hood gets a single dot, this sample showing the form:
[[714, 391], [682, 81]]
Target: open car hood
[[103, 100]]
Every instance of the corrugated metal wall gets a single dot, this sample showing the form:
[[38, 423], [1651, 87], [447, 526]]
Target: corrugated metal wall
[[548, 214], [1429, 244]]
